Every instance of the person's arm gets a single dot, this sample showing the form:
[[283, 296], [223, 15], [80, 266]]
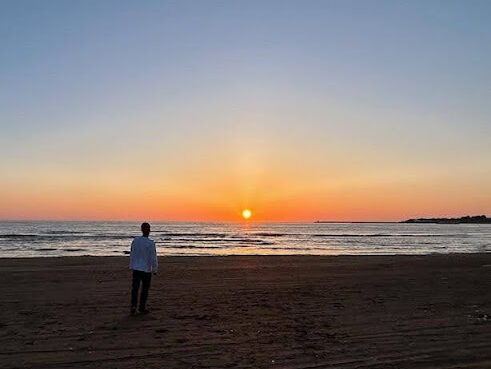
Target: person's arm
[[131, 252], [155, 263]]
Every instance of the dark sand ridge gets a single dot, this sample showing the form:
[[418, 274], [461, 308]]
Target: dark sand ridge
[[249, 312]]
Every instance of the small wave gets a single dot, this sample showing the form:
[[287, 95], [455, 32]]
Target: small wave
[[299, 248], [107, 236], [249, 240], [348, 235], [64, 237], [219, 240], [47, 249], [205, 240], [191, 234], [64, 232], [11, 235], [266, 243], [269, 234], [192, 247], [72, 250]]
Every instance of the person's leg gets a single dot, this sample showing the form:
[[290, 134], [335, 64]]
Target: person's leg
[[135, 286], [146, 279]]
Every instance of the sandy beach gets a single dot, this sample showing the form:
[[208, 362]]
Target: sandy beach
[[249, 312]]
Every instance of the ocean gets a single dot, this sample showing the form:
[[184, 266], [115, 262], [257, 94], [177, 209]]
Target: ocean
[[42, 239]]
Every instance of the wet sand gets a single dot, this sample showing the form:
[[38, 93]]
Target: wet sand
[[249, 312]]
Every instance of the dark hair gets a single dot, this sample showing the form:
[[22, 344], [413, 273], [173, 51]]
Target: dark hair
[[145, 227]]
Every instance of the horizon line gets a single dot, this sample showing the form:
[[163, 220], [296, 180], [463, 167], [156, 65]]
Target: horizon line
[[199, 221], [319, 221]]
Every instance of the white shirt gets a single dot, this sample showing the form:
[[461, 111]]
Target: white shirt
[[143, 255]]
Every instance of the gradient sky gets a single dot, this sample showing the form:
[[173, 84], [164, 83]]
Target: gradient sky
[[194, 110]]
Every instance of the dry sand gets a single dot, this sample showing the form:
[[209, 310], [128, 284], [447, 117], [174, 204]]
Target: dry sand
[[249, 312]]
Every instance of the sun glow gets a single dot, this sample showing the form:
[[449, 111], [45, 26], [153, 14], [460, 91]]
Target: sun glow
[[246, 214]]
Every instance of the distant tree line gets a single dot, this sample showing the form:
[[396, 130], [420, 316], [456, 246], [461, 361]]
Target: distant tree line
[[477, 219]]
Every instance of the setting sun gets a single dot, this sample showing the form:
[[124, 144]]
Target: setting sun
[[246, 213]]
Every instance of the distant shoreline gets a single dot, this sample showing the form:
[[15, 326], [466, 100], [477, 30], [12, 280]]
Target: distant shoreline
[[478, 219]]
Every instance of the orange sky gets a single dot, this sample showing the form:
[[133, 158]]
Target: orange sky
[[213, 175], [215, 198]]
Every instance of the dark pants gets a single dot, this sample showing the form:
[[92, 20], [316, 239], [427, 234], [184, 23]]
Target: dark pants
[[144, 278]]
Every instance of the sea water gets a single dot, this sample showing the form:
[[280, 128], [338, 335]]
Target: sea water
[[34, 239]]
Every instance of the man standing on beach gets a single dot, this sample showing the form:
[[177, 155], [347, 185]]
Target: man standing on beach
[[143, 262]]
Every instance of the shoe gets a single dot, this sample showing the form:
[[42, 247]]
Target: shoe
[[133, 311], [143, 311]]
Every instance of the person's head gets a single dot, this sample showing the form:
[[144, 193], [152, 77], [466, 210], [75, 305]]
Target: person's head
[[145, 229]]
